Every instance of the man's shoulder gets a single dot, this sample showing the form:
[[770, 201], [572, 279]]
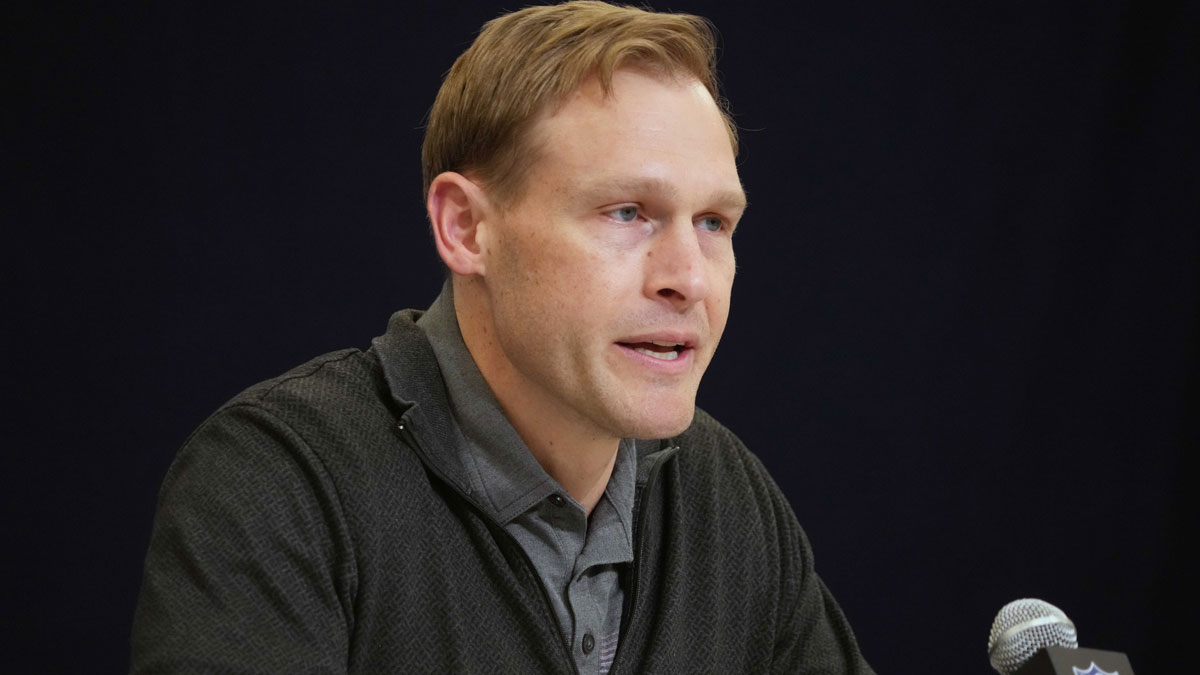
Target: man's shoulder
[[335, 378], [341, 383], [709, 443], [326, 401], [326, 426], [706, 430], [713, 461]]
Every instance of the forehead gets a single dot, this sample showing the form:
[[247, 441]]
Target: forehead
[[648, 128]]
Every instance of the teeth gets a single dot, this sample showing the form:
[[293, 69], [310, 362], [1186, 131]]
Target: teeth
[[662, 356], [665, 344]]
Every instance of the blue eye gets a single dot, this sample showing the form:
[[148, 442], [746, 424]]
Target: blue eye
[[625, 214], [712, 223]]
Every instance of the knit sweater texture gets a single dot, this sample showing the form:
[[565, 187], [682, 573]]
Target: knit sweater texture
[[318, 523]]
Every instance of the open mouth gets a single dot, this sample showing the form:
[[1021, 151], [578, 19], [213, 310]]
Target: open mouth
[[663, 351]]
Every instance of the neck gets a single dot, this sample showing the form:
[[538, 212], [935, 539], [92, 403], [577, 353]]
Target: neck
[[583, 471], [572, 450]]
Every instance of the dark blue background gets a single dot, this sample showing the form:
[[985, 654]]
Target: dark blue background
[[964, 335]]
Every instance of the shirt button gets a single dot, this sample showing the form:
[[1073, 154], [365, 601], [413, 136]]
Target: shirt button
[[557, 500], [589, 643]]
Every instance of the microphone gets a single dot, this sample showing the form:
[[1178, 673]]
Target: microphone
[[1033, 637]]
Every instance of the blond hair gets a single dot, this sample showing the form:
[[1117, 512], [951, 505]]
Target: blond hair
[[533, 58]]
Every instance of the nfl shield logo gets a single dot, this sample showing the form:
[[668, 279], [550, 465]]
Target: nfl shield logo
[[1092, 671]]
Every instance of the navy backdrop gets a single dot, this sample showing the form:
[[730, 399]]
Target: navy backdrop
[[964, 330]]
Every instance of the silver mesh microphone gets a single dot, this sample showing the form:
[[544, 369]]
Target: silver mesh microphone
[[1022, 628]]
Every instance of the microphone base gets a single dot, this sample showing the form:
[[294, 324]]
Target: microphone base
[[1064, 661]]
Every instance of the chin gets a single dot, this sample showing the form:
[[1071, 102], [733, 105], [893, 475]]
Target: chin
[[665, 424]]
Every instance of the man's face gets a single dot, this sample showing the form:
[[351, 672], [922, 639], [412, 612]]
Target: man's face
[[608, 278]]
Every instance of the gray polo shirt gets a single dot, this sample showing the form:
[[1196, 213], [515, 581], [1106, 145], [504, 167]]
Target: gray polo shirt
[[576, 556]]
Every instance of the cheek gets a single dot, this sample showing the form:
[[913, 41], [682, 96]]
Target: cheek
[[578, 272], [551, 287], [721, 292], [723, 268], [523, 264]]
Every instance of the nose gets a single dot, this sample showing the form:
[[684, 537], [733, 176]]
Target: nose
[[676, 268]]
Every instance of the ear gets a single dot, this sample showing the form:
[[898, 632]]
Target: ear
[[457, 208]]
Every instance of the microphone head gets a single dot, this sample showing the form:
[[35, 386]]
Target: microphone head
[[1022, 628]]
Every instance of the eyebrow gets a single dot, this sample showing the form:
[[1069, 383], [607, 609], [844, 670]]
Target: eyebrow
[[728, 199]]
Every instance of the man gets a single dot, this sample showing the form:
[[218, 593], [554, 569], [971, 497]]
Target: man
[[467, 496]]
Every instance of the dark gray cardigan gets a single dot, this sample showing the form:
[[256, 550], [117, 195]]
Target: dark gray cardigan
[[316, 523]]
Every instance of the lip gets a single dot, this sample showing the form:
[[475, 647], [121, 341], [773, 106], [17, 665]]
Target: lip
[[688, 339], [681, 364]]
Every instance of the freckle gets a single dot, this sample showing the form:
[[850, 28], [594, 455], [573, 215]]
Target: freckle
[[649, 254]]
